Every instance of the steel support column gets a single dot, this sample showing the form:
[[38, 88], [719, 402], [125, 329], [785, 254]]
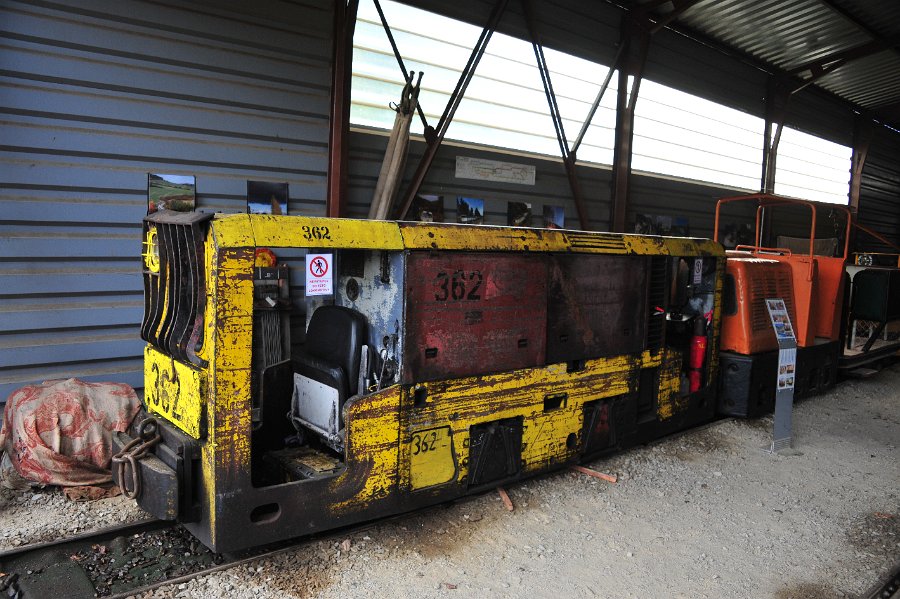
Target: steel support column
[[863, 132], [636, 41], [778, 92], [341, 74]]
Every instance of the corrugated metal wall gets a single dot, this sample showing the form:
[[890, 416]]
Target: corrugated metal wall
[[650, 194], [96, 93], [551, 186], [879, 201]]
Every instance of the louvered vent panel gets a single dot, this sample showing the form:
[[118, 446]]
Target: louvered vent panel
[[596, 241], [761, 289], [656, 302]]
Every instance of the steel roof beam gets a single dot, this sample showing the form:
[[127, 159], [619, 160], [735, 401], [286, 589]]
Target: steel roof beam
[[822, 66]]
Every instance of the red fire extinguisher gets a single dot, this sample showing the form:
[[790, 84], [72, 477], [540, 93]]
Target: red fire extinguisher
[[697, 355]]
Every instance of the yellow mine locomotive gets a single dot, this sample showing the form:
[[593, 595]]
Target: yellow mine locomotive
[[404, 365]]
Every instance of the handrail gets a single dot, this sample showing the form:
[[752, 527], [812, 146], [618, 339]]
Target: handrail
[[769, 200], [758, 249]]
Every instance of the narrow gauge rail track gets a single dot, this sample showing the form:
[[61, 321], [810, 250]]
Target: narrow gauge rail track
[[58, 568], [888, 587], [126, 560], [152, 553]]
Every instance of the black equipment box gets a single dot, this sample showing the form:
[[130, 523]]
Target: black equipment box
[[876, 295], [747, 383]]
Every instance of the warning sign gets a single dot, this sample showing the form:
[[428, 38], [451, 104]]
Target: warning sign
[[319, 274]]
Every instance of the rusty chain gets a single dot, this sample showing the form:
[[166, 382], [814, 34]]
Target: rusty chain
[[135, 450]]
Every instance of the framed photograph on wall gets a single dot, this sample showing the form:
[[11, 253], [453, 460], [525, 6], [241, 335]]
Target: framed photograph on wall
[[554, 217], [171, 192], [428, 208], [469, 210], [266, 197], [655, 224], [518, 214]]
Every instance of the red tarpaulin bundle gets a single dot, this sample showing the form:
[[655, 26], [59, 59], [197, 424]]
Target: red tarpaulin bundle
[[59, 432]]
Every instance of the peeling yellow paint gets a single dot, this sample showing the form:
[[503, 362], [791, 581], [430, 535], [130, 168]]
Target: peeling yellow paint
[[175, 391], [382, 428], [373, 426], [668, 399], [226, 455], [481, 238], [317, 232], [462, 403]]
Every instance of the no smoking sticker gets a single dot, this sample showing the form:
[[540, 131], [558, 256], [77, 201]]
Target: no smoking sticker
[[319, 274]]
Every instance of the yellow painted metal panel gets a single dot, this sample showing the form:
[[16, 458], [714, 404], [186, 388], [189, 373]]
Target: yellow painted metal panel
[[303, 231], [481, 238], [432, 457], [645, 245], [373, 428], [174, 391], [226, 455], [234, 230], [552, 437], [548, 437], [669, 400], [683, 246]]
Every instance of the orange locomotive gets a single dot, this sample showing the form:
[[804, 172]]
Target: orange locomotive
[[808, 274]]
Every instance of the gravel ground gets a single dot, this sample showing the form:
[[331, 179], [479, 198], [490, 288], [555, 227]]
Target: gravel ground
[[708, 514], [39, 515]]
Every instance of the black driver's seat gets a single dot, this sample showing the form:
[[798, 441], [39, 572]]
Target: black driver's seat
[[326, 371]]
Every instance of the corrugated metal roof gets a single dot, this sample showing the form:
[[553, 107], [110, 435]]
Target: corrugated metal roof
[[789, 34], [785, 33], [880, 16], [870, 81]]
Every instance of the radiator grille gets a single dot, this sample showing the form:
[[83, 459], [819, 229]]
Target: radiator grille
[[769, 287], [656, 302], [175, 292], [596, 241]]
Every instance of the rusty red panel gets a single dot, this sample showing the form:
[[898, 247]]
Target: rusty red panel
[[597, 307], [473, 313]]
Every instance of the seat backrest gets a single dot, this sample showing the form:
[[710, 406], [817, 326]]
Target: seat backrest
[[336, 334]]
